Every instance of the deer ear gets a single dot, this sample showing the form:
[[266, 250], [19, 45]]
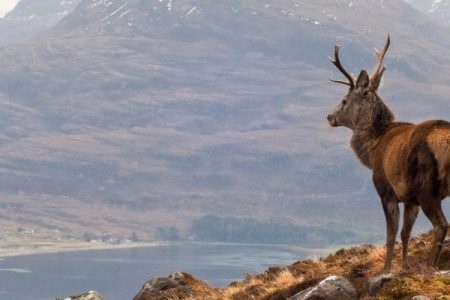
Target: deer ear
[[363, 80]]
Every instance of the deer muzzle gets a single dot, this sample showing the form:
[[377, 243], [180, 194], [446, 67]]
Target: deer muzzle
[[332, 120]]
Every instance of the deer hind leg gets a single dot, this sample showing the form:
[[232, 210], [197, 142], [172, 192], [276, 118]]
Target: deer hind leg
[[409, 217], [392, 214], [433, 210]]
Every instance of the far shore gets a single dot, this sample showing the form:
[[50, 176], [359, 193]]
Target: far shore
[[16, 247], [11, 248]]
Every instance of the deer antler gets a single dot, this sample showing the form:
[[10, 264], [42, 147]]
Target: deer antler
[[379, 57], [337, 63]]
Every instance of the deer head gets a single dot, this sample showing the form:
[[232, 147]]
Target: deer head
[[361, 104]]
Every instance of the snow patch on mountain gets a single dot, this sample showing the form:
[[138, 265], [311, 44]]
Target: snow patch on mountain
[[115, 12], [42, 10], [437, 9]]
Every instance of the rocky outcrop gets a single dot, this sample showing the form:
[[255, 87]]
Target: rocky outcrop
[[177, 284], [444, 273], [85, 296], [375, 284], [332, 287], [420, 298]]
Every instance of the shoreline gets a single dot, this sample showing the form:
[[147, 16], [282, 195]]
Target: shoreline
[[15, 249]]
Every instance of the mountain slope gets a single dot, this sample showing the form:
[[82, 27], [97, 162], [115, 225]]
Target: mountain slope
[[30, 18], [172, 110], [438, 9]]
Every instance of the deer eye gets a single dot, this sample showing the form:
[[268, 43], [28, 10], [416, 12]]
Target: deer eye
[[344, 102]]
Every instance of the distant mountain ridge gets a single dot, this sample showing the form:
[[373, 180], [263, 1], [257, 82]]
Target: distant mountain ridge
[[48, 10], [30, 18]]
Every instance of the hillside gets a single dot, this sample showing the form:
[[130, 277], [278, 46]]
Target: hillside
[[361, 266], [31, 18], [145, 117], [437, 9]]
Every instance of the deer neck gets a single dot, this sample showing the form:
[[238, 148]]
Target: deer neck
[[374, 121], [363, 143]]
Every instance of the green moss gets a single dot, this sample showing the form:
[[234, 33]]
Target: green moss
[[407, 287]]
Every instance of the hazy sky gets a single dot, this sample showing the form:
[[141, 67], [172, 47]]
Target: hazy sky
[[6, 6]]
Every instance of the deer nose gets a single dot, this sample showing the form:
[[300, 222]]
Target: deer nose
[[329, 117]]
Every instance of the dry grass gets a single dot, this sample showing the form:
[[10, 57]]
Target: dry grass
[[358, 264]]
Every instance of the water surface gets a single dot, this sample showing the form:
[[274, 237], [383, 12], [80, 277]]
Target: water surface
[[119, 274]]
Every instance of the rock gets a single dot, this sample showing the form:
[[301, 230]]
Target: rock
[[180, 277], [160, 284], [444, 273], [331, 288], [420, 297], [375, 284], [176, 285], [86, 296], [155, 287]]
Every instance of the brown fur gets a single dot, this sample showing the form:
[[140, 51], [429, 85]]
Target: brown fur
[[410, 162]]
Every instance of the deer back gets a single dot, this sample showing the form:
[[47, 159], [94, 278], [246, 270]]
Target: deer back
[[414, 158]]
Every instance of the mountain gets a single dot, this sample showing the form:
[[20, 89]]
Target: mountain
[[438, 9], [143, 118], [30, 18]]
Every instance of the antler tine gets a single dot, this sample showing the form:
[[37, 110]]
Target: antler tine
[[380, 57], [337, 63], [340, 81]]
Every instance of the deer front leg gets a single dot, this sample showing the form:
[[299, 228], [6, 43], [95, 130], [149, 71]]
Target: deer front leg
[[409, 217], [391, 212]]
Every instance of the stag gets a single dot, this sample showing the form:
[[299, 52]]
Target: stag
[[410, 163]]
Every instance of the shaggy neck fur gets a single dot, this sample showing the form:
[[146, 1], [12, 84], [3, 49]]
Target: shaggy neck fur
[[374, 121]]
